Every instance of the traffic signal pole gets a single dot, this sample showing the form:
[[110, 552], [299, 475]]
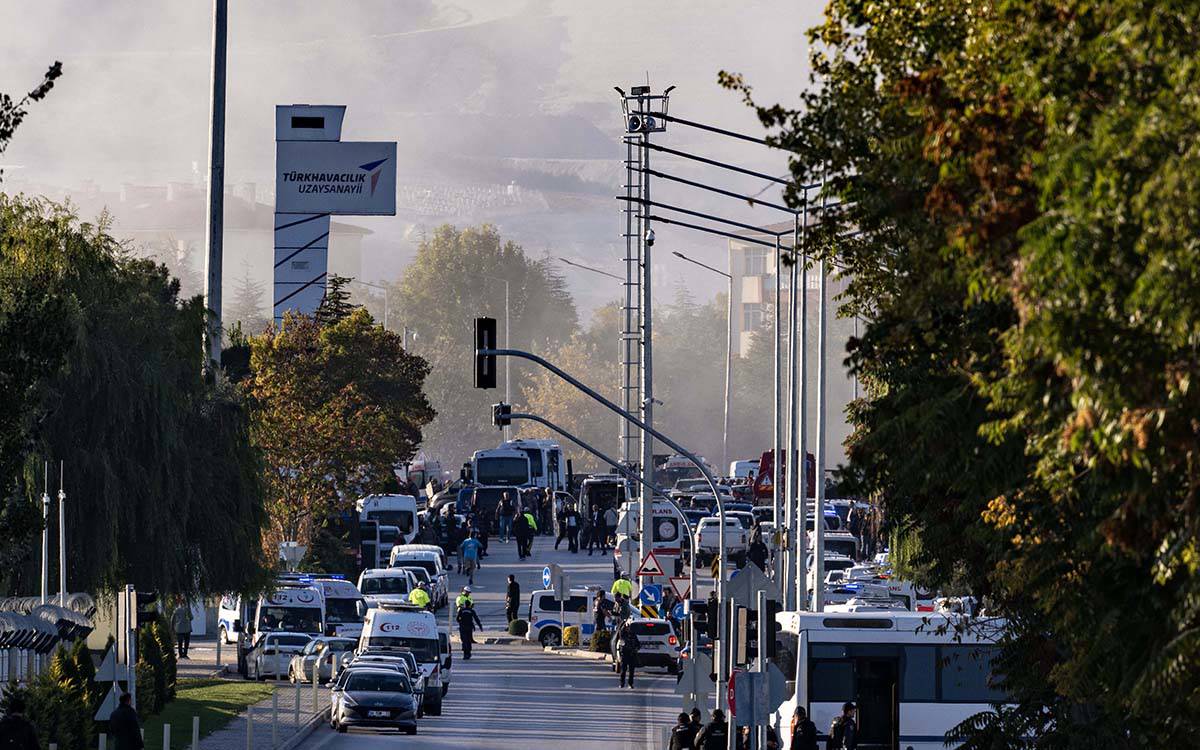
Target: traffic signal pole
[[485, 361]]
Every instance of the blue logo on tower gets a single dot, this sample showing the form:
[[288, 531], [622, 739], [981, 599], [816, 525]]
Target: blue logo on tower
[[374, 170]]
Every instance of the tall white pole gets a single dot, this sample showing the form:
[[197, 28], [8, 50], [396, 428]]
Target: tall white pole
[[214, 230], [818, 521], [801, 238], [728, 367], [45, 531], [646, 509], [777, 400], [62, 539]]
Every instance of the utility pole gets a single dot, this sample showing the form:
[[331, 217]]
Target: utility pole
[[819, 520], [777, 399], [45, 531], [800, 239], [62, 539], [214, 232]]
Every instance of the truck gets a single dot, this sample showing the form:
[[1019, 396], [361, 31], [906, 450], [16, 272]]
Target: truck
[[764, 478], [391, 510], [737, 540]]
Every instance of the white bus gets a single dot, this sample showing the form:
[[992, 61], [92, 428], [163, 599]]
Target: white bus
[[546, 465], [913, 676]]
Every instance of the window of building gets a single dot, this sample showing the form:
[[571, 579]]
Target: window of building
[[755, 262], [752, 316]]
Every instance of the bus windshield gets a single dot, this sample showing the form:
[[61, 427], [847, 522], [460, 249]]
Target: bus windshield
[[502, 470], [401, 519], [535, 461], [289, 619]]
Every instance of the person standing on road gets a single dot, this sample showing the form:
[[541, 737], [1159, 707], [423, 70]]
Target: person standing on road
[[181, 623], [508, 509], [572, 530], [560, 520], [464, 599], [468, 553], [125, 726], [683, 734], [533, 530], [512, 598], [715, 733], [610, 529], [758, 552], [546, 508], [628, 646], [521, 532], [468, 620], [804, 731], [600, 610]]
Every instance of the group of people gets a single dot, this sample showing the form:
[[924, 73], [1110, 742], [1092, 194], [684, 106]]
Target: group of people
[[518, 518], [592, 531], [689, 733]]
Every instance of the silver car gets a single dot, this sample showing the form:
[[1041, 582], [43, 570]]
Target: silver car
[[273, 655], [301, 667]]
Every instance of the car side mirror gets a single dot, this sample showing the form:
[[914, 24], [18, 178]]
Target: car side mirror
[[361, 608]]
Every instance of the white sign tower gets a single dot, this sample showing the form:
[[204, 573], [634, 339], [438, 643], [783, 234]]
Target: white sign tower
[[318, 175]]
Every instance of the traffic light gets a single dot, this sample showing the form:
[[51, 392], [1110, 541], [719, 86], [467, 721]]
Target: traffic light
[[485, 364], [147, 607], [748, 620], [501, 414]]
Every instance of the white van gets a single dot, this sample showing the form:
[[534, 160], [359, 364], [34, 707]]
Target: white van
[[343, 607], [292, 609], [392, 510], [408, 628], [380, 586]]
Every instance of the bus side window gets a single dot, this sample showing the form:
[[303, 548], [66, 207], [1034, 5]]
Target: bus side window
[[831, 681], [919, 674], [787, 645]]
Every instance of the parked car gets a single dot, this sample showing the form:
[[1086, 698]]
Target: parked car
[[300, 668], [272, 655], [659, 645], [371, 697]]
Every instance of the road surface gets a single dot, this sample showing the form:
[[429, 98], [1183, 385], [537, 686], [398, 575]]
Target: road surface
[[517, 696]]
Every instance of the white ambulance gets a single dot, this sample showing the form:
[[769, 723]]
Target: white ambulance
[[413, 629]]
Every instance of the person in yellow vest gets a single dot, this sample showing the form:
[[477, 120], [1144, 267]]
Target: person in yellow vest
[[419, 596], [464, 598], [622, 586]]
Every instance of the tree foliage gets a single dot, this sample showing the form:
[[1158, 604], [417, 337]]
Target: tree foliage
[[336, 408], [1021, 176], [459, 275], [162, 483]]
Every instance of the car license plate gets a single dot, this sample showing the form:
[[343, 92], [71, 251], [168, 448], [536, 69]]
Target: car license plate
[[377, 714]]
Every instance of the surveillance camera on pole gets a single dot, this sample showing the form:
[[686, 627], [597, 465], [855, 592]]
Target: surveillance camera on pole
[[650, 237]]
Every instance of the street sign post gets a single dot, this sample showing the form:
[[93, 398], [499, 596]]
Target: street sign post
[[547, 577], [744, 587], [682, 586], [651, 597], [650, 567], [754, 696], [696, 678], [556, 579]]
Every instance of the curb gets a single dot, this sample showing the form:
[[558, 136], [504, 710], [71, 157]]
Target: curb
[[577, 653], [303, 732]]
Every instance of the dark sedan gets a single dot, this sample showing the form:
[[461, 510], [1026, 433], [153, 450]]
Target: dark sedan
[[376, 698]]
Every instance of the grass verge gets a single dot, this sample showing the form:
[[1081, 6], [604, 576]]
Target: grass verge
[[216, 702]]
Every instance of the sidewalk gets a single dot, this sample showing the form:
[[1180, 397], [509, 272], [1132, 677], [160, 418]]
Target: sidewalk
[[273, 728], [202, 659]]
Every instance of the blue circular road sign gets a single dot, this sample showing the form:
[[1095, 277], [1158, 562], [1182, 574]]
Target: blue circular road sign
[[546, 580]]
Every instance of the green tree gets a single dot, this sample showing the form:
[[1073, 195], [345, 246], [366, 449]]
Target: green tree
[[459, 275], [161, 478], [247, 305], [1020, 177], [335, 409]]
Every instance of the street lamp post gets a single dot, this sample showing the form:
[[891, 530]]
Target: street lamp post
[[728, 349]]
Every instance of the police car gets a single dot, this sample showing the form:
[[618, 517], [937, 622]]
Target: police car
[[545, 613]]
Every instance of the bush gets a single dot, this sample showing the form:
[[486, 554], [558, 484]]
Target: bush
[[601, 642], [147, 699], [518, 627], [161, 631], [150, 655], [571, 636], [56, 704]]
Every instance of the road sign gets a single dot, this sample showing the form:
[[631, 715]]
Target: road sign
[[715, 567], [682, 586], [744, 587], [695, 679], [649, 611], [108, 667], [754, 696], [109, 704], [547, 577], [650, 566], [679, 612], [652, 594]]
